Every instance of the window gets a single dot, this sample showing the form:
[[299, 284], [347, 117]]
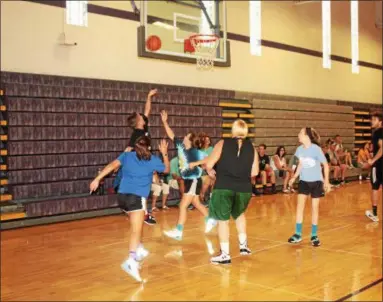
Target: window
[[210, 9], [354, 37], [255, 28], [326, 33], [77, 13]]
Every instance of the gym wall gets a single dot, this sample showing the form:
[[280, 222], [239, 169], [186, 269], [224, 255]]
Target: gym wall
[[107, 49]]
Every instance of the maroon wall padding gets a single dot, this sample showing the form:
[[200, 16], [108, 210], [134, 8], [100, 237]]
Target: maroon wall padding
[[63, 129]]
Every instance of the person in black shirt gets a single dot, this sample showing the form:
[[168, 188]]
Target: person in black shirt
[[377, 164], [237, 162], [140, 124], [265, 170]]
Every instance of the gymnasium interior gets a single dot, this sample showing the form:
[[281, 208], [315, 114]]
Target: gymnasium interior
[[73, 71]]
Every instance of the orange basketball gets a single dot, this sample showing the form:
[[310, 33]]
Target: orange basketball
[[153, 43]]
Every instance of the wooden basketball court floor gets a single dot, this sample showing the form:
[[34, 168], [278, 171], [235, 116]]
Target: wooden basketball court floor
[[81, 260]]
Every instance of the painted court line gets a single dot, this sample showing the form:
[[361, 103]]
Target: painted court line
[[260, 285], [351, 253], [304, 237], [249, 256], [372, 284]]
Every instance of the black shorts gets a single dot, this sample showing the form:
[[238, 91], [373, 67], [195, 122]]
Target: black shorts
[[313, 188], [376, 177], [130, 202], [193, 186]]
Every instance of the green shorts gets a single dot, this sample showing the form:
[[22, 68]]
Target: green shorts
[[226, 203]]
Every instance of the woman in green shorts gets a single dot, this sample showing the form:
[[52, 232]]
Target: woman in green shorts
[[237, 162]]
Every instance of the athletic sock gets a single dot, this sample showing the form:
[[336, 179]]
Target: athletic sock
[[314, 230], [180, 227], [225, 247], [375, 210], [242, 237], [298, 229], [133, 255]]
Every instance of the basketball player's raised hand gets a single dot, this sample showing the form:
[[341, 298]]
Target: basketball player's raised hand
[[152, 92], [164, 116], [163, 146]]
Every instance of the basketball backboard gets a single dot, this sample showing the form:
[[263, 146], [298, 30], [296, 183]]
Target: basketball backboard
[[175, 21]]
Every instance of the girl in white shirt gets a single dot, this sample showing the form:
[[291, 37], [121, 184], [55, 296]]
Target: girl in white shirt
[[280, 167]]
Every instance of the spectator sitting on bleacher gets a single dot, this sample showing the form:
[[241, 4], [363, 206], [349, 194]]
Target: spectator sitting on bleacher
[[265, 171], [339, 168], [159, 185], [334, 169], [280, 168], [343, 155], [363, 157]]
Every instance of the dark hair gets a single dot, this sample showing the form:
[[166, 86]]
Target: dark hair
[[313, 135], [263, 145], [337, 136], [279, 150], [132, 120], [142, 148], [202, 137], [195, 140], [378, 115]]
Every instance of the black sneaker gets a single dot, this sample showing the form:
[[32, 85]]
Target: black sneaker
[[256, 192], [315, 241], [273, 189], [295, 239], [150, 220]]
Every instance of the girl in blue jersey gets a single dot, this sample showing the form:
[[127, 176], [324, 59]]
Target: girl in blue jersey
[[137, 171], [187, 152]]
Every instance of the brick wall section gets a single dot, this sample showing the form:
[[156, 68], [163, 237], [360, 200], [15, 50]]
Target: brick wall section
[[279, 122]]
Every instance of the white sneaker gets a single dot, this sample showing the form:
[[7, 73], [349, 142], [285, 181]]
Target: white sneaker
[[221, 259], [131, 267], [210, 224], [174, 234], [244, 249], [142, 253], [371, 216]]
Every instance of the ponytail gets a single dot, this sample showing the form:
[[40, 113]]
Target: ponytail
[[313, 135]]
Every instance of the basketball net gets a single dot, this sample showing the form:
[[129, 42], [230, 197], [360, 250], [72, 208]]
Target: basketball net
[[205, 48]]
